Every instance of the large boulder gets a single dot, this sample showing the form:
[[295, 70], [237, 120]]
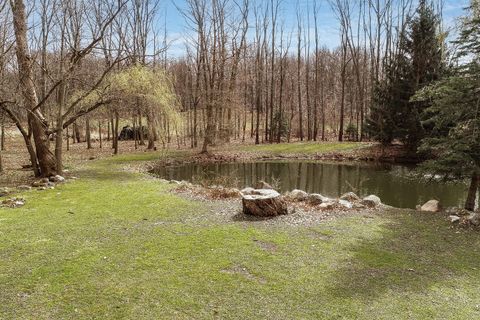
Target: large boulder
[[371, 201], [298, 195], [350, 196], [316, 199], [431, 206], [264, 203], [345, 204]]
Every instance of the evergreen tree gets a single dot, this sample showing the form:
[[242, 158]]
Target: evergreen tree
[[417, 62], [389, 97], [454, 113]]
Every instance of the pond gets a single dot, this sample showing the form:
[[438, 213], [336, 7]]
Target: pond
[[394, 184]]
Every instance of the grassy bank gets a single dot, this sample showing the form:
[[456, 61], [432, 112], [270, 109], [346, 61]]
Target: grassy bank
[[306, 148], [118, 245]]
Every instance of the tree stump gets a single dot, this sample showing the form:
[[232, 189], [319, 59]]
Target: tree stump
[[264, 203]]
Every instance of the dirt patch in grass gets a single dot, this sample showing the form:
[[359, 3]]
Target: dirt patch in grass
[[244, 272], [266, 245]]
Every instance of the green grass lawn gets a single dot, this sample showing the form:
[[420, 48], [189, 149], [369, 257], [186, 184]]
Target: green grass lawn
[[116, 245], [304, 147]]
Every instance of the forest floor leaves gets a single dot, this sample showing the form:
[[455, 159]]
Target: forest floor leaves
[[117, 244]]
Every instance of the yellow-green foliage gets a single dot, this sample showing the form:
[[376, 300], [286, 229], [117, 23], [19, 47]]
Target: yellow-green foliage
[[152, 86]]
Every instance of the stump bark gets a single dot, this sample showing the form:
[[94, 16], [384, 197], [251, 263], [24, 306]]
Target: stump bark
[[264, 203]]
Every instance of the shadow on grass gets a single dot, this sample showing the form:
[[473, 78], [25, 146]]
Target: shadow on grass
[[411, 253], [240, 217], [107, 172]]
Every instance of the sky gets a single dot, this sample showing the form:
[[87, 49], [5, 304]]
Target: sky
[[329, 33]]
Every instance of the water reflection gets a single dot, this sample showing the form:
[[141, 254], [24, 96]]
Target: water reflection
[[392, 183]]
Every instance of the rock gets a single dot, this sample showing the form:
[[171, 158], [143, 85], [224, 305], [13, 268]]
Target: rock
[[298, 195], [247, 191], [327, 205], [431, 206], [41, 188], [474, 218], [185, 184], [457, 211], [316, 199], [174, 182], [358, 205], [454, 218], [13, 202], [4, 191], [371, 201], [24, 187], [463, 212], [265, 203], [37, 184], [350, 196], [57, 178], [263, 185], [345, 204]]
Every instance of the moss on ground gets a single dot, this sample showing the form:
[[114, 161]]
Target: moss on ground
[[118, 245]]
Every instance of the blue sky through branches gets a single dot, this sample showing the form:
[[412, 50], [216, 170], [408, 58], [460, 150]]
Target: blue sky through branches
[[178, 30]]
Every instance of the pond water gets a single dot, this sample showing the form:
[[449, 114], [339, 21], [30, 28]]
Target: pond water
[[394, 184]]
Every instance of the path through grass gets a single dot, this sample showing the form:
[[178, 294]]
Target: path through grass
[[117, 245]]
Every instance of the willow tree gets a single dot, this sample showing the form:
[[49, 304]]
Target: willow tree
[[154, 90]]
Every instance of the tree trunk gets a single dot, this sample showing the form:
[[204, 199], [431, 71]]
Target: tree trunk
[[140, 129], [264, 203], [31, 152], [100, 133], [472, 192], [112, 127], [36, 120], [135, 130], [88, 133], [68, 139], [151, 133], [115, 133], [3, 135], [209, 130], [76, 133], [108, 130]]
